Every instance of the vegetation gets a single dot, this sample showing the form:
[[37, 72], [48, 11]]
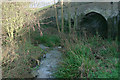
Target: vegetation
[[48, 40], [21, 65], [19, 55], [83, 56], [89, 58]]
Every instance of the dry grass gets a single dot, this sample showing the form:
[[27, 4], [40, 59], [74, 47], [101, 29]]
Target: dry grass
[[18, 64], [18, 54]]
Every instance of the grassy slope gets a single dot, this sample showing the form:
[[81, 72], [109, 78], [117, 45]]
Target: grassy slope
[[22, 65], [92, 57], [50, 36], [89, 58], [39, 9]]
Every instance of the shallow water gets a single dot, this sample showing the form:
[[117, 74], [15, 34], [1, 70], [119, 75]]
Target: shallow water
[[49, 64]]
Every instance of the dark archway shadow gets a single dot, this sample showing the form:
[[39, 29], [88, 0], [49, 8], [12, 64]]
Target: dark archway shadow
[[94, 22]]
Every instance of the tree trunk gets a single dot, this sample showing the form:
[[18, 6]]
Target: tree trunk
[[56, 16], [75, 19], [69, 17], [62, 17]]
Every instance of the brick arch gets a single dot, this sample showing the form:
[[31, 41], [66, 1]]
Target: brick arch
[[94, 21], [99, 11], [96, 13]]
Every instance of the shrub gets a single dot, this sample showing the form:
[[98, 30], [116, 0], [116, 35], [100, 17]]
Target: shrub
[[17, 19]]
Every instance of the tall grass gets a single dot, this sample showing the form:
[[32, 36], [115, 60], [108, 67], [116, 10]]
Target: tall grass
[[89, 58], [50, 36], [47, 40]]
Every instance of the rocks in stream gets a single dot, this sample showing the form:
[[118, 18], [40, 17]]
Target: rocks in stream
[[41, 57], [33, 62], [43, 47], [59, 47], [44, 55]]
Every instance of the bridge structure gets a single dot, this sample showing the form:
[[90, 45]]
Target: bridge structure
[[109, 10]]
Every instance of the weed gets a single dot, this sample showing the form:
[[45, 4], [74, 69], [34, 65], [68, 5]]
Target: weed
[[48, 40], [22, 65], [89, 58]]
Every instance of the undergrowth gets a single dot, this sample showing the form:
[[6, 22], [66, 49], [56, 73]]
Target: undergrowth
[[18, 54], [47, 39], [22, 64], [89, 58]]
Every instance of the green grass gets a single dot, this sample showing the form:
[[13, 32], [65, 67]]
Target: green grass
[[89, 58], [48, 40]]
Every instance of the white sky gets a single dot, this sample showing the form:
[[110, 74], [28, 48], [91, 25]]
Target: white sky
[[60, 0], [41, 3]]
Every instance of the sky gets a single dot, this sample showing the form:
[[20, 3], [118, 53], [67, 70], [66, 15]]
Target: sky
[[41, 3]]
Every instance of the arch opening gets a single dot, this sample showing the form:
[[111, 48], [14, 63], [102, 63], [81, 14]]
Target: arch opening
[[94, 22]]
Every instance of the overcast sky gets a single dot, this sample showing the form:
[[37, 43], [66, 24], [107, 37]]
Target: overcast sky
[[41, 3]]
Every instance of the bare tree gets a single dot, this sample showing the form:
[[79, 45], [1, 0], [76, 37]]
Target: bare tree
[[69, 17], [75, 18], [62, 17], [56, 16]]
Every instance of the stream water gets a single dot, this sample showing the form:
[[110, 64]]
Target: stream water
[[48, 64]]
